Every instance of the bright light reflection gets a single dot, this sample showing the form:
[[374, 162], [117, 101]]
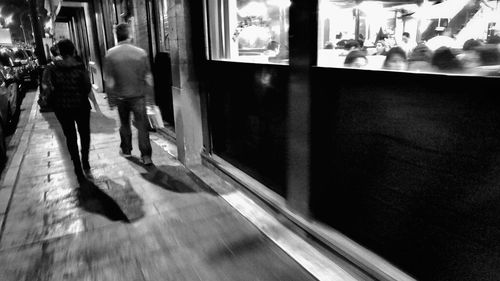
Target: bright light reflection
[[252, 34], [8, 20], [280, 3], [253, 9]]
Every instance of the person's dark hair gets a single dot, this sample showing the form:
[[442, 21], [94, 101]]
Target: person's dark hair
[[353, 55], [122, 32], [421, 53], [54, 51], [392, 52], [351, 44], [471, 44], [444, 59], [489, 54], [66, 48], [495, 39], [407, 34]]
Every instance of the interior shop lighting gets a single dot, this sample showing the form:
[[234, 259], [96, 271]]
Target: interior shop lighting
[[253, 9], [280, 3]]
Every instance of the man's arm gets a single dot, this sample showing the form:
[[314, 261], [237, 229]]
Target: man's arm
[[148, 82], [110, 82], [87, 88]]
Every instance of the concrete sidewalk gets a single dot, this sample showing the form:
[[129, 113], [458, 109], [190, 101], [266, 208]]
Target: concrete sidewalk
[[134, 223]]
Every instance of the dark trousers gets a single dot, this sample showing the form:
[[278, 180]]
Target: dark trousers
[[138, 107], [67, 119]]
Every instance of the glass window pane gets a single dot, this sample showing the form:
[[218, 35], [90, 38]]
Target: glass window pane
[[159, 12], [450, 36], [249, 30], [164, 27]]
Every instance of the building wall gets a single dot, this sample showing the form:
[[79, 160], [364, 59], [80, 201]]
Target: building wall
[[140, 25]]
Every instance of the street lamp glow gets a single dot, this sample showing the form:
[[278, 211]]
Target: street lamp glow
[[8, 20]]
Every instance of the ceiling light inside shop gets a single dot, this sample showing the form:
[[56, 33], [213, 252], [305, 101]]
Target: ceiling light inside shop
[[279, 3], [253, 9]]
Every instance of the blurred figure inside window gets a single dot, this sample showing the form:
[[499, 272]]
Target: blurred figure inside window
[[349, 46], [380, 48], [406, 44], [495, 40], [395, 59], [420, 59], [489, 58], [470, 56], [355, 59], [444, 60]]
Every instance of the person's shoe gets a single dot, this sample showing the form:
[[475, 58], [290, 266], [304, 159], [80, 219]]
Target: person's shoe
[[126, 155], [146, 160]]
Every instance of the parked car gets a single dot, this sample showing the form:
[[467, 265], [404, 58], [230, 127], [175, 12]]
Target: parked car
[[26, 67], [10, 74], [4, 112]]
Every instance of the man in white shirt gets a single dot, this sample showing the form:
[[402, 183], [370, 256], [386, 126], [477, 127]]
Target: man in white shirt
[[407, 44], [129, 85]]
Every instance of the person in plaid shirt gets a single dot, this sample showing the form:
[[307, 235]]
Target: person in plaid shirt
[[68, 86]]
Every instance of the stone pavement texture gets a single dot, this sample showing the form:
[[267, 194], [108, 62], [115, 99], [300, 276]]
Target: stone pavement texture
[[133, 222]]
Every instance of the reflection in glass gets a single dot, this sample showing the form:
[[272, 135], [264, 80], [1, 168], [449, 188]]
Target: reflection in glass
[[450, 36]]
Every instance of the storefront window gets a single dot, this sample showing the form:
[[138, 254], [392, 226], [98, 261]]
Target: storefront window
[[249, 30], [450, 36]]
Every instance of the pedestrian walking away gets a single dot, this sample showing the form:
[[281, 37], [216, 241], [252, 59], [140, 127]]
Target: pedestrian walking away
[[129, 86], [67, 86]]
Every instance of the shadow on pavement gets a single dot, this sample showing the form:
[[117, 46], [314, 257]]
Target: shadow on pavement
[[173, 178], [102, 196], [100, 123], [239, 247], [123, 197], [94, 200]]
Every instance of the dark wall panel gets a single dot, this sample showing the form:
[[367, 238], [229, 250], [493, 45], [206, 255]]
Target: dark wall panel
[[162, 72], [409, 166], [247, 110]]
